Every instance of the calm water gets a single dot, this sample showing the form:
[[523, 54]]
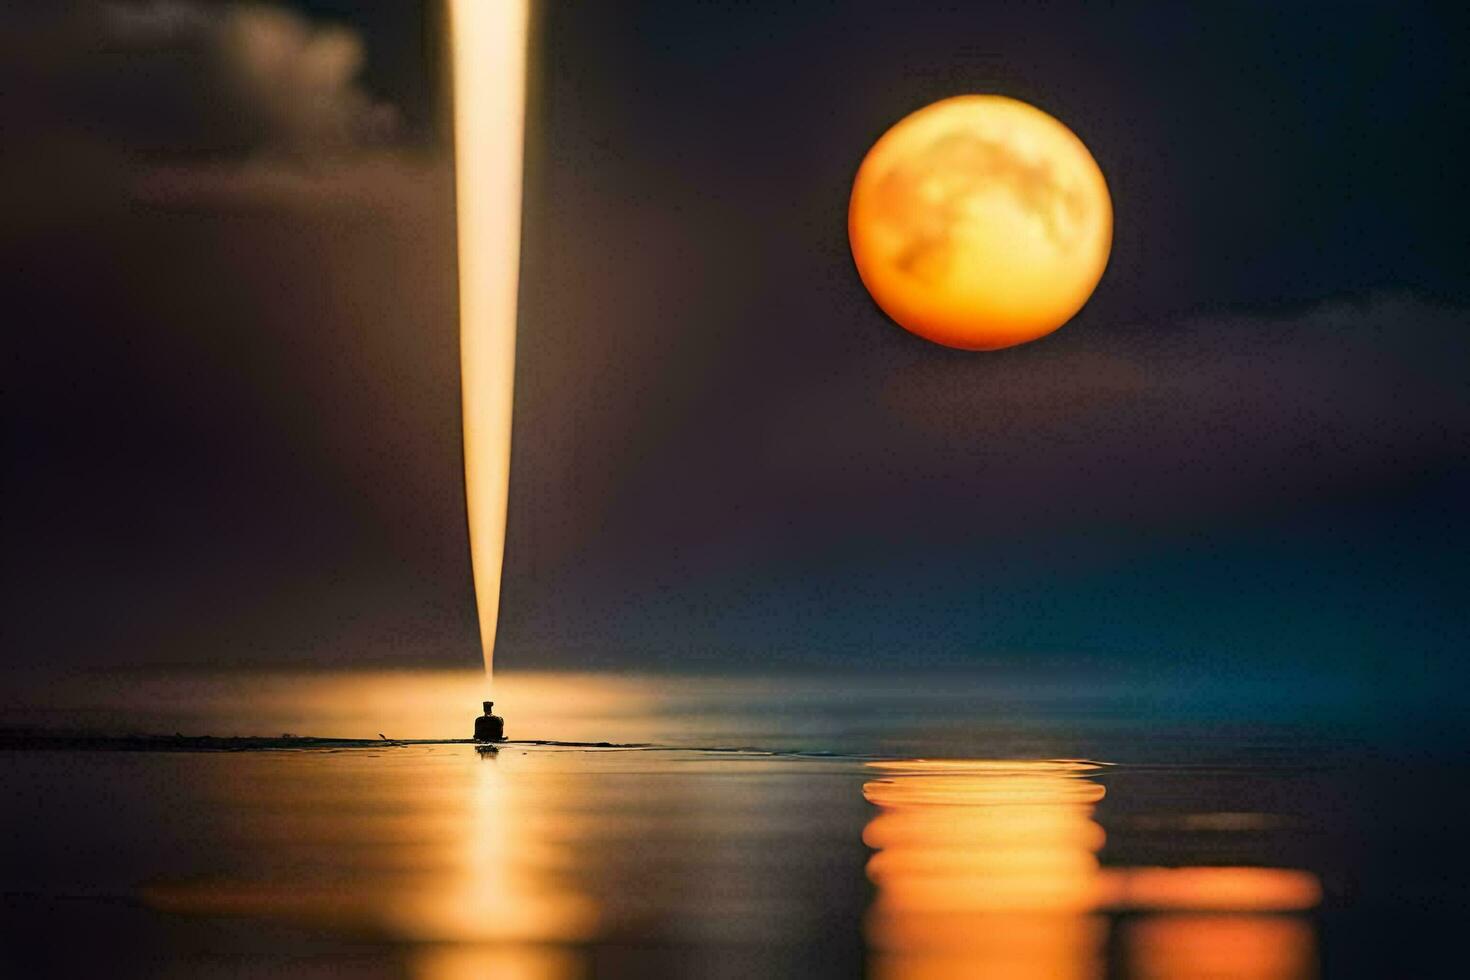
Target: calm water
[[785, 827]]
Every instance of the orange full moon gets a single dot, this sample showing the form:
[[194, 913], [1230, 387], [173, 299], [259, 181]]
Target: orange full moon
[[980, 222]]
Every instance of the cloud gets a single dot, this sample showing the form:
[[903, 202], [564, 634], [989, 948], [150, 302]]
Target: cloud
[[1223, 416], [183, 80], [1237, 484], [234, 423]]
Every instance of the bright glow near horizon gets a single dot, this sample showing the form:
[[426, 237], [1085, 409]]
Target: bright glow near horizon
[[488, 61]]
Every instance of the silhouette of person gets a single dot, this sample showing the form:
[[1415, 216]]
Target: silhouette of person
[[489, 727]]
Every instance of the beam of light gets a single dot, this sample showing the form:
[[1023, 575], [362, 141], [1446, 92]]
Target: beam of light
[[488, 61]]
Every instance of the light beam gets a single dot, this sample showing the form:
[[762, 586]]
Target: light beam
[[488, 64]]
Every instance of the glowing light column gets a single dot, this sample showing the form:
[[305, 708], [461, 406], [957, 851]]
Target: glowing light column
[[488, 61]]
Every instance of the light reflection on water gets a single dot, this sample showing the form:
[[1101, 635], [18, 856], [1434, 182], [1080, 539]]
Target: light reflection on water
[[538, 862], [984, 868], [990, 868]]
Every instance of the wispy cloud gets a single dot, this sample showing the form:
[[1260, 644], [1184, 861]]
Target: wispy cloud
[[1222, 411], [194, 79]]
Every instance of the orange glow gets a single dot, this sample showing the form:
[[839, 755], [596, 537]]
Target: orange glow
[[980, 222], [496, 890], [1227, 889], [1221, 947], [990, 868], [442, 849], [477, 866], [488, 57], [500, 962], [1012, 836], [1013, 947], [984, 868]]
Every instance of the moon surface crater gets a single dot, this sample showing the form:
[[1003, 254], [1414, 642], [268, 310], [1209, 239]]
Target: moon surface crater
[[980, 222]]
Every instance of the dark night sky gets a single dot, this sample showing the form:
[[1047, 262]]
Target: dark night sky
[[231, 378]]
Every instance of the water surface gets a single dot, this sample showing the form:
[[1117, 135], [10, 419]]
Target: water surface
[[945, 827]]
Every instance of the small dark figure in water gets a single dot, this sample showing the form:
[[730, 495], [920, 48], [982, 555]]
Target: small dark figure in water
[[489, 727]]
